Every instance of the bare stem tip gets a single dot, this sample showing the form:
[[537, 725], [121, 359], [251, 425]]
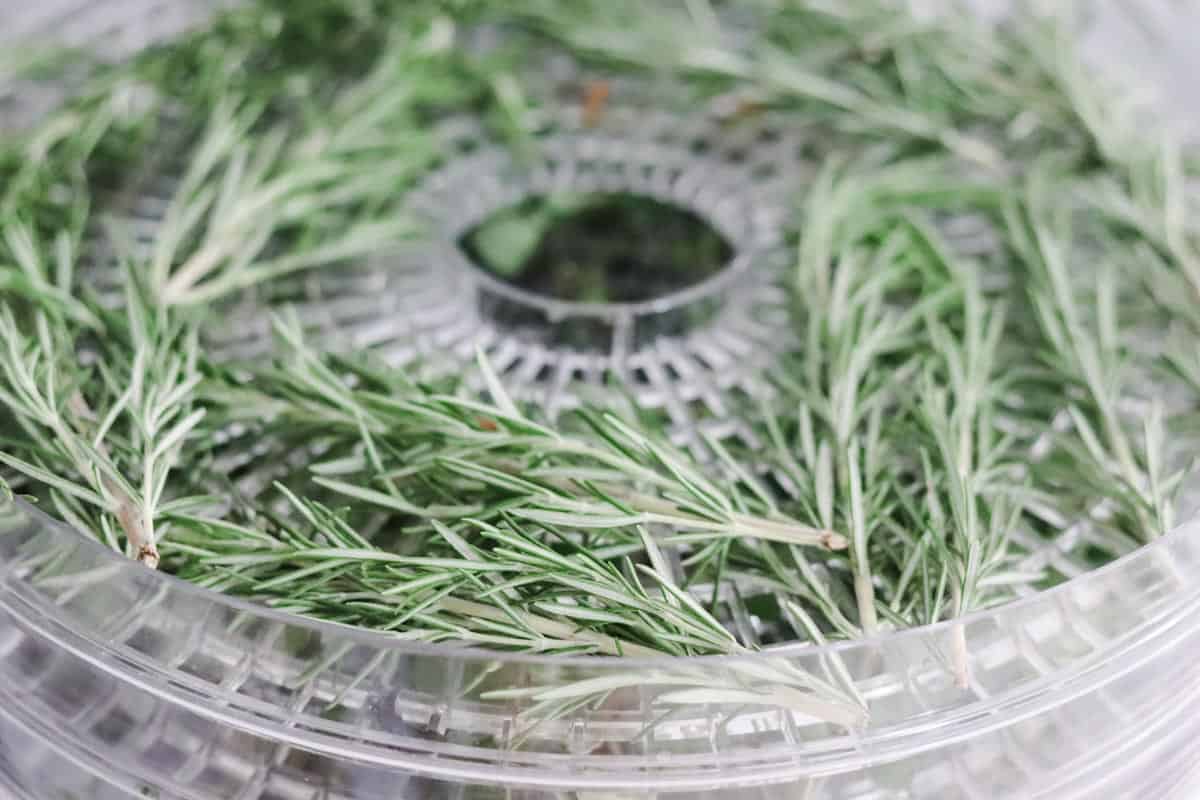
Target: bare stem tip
[[834, 541], [148, 555]]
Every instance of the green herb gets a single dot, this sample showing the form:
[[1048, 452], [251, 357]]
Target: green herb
[[977, 263]]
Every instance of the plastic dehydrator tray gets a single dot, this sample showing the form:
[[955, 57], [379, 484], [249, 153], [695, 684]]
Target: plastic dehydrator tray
[[116, 681]]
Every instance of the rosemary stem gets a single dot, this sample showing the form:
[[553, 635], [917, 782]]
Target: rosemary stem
[[960, 654], [607, 645], [665, 512], [135, 523]]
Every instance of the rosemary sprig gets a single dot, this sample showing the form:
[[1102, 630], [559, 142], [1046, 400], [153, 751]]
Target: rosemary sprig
[[254, 185], [497, 461], [107, 465], [1089, 349]]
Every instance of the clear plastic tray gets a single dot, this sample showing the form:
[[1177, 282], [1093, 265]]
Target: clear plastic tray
[[119, 681], [116, 681]]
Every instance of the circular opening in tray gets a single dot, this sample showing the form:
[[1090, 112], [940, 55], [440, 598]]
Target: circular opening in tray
[[597, 248]]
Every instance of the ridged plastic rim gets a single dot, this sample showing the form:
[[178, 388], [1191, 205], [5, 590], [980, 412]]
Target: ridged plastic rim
[[839, 751]]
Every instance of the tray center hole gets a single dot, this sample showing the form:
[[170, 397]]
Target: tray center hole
[[597, 248]]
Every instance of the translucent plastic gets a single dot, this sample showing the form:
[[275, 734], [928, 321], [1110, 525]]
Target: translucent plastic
[[116, 681]]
